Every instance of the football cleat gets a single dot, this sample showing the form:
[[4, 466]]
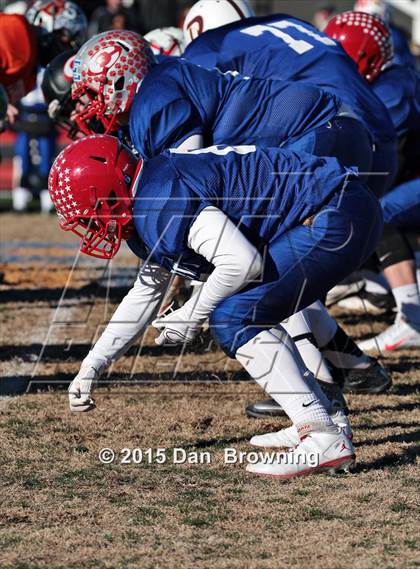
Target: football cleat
[[317, 452], [372, 380], [398, 336], [368, 302], [267, 408], [343, 290], [288, 438]]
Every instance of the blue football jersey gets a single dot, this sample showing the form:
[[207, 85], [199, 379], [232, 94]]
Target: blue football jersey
[[173, 188], [177, 100], [402, 53], [398, 88], [279, 46]]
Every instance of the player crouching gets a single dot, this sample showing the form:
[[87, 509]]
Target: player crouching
[[308, 224]]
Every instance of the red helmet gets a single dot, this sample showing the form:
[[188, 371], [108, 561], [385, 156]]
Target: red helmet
[[89, 184], [365, 38], [106, 73]]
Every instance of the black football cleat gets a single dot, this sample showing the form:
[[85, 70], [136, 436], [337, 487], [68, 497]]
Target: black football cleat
[[372, 380]]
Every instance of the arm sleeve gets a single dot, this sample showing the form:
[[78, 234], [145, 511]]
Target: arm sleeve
[[194, 142], [129, 321], [236, 261]]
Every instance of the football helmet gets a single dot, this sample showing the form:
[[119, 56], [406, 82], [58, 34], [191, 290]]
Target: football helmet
[[57, 15], [106, 73], [365, 38], [89, 185], [375, 7], [56, 88], [166, 41], [208, 14]]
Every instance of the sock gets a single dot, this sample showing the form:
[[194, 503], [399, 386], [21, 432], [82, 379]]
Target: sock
[[344, 353], [298, 327], [276, 365], [323, 325], [407, 299]]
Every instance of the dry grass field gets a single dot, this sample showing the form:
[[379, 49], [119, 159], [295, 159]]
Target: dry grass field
[[60, 507]]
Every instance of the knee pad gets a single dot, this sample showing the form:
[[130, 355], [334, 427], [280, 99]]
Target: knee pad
[[394, 247]]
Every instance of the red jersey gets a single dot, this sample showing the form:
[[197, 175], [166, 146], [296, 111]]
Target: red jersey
[[18, 55]]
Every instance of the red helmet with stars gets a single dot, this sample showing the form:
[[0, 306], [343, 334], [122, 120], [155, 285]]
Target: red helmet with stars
[[90, 184], [365, 38], [107, 71]]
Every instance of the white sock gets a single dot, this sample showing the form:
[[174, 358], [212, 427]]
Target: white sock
[[298, 328], [321, 323], [407, 298], [277, 367]]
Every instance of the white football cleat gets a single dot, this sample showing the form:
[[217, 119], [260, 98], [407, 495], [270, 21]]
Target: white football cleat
[[317, 452], [400, 335], [343, 290], [288, 438], [358, 304]]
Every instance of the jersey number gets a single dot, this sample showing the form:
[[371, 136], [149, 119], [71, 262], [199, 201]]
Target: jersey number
[[219, 150], [298, 46]]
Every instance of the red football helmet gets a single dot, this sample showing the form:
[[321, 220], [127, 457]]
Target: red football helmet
[[365, 38], [89, 184], [106, 73]]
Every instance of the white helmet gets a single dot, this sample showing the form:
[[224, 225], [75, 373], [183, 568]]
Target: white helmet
[[107, 71], [166, 41], [59, 15], [208, 14], [375, 7]]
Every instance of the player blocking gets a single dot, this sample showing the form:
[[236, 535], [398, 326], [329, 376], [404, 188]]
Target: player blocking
[[268, 256]]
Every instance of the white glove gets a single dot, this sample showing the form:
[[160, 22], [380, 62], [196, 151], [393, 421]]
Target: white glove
[[80, 389], [176, 328]]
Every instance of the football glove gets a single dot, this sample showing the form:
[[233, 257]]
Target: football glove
[[176, 328], [80, 388]]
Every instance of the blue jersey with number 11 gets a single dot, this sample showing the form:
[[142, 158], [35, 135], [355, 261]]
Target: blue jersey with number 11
[[279, 46]]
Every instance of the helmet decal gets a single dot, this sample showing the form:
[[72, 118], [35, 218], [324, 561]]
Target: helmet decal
[[209, 14], [104, 59], [195, 27]]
